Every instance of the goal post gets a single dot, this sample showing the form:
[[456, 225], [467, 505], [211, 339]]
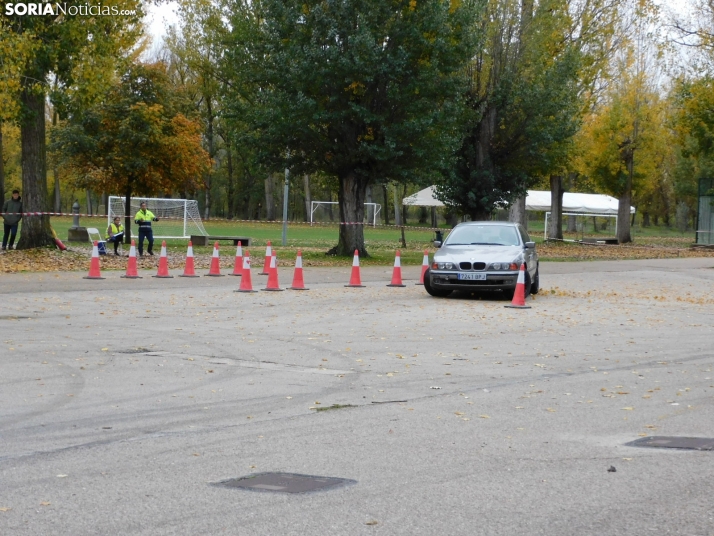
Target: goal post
[[371, 209], [178, 218]]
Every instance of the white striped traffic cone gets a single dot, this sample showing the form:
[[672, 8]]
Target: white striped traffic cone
[[355, 279], [189, 270], [238, 266], [519, 296], [397, 272], [298, 280], [424, 267], [94, 272], [266, 263]]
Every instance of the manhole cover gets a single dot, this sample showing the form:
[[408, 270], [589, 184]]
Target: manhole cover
[[686, 443], [286, 482]]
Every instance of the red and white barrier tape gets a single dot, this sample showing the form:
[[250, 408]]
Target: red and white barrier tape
[[367, 224]]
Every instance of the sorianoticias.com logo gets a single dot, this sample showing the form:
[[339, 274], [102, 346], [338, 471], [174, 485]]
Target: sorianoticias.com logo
[[62, 8]]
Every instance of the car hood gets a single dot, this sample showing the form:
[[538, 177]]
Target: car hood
[[477, 253]]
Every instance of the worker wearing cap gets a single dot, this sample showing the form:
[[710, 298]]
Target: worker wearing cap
[[143, 219]]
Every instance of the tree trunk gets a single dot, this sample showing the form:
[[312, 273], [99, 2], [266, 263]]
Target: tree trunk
[[127, 212], [555, 225], [405, 208], [623, 218], [397, 205], [269, 199], [231, 182], [351, 199], [645, 219], [308, 196], [88, 197], [35, 229], [623, 209], [329, 206], [211, 154], [517, 211], [572, 222], [423, 215], [2, 170], [55, 172], [386, 204], [369, 211]]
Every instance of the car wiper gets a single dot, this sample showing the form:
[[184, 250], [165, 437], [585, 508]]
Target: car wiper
[[486, 244]]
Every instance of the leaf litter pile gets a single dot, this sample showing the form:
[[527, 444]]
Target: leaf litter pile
[[77, 258]]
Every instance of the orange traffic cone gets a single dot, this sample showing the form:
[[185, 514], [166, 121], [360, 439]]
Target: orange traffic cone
[[355, 280], [189, 270], [266, 263], [397, 272], [273, 276], [246, 285], [298, 281], [238, 267], [215, 269], [163, 271], [131, 272], [519, 296], [94, 272], [424, 267]]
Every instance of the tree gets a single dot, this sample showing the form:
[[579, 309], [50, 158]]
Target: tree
[[522, 105], [358, 89], [621, 140], [133, 140], [77, 50], [195, 46]]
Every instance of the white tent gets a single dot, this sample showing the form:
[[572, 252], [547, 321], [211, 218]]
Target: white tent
[[538, 201], [423, 198], [578, 204]]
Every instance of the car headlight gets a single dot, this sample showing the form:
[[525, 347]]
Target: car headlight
[[503, 266], [443, 266]]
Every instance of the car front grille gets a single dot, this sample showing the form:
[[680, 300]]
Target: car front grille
[[474, 266]]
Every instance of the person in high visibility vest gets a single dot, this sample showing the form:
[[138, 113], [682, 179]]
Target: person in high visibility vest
[[115, 233], [143, 219]]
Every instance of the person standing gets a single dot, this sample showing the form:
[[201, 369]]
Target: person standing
[[143, 219], [115, 233], [13, 206]]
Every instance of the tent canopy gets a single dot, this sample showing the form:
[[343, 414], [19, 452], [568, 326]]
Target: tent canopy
[[575, 203], [538, 201], [423, 198]]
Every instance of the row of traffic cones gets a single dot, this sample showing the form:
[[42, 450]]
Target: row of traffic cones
[[242, 268], [270, 269]]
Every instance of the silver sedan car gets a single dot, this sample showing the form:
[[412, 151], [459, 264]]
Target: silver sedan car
[[483, 255]]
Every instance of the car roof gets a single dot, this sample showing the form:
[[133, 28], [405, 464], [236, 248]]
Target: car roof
[[510, 223]]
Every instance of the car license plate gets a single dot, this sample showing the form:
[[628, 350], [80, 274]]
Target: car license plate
[[472, 277]]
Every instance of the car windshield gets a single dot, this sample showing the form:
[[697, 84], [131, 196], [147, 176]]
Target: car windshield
[[488, 235]]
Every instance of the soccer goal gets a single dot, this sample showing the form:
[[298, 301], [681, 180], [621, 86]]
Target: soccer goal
[[323, 211], [178, 218]]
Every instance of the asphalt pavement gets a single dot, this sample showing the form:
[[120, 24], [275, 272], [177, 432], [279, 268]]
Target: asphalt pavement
[[124, 404]]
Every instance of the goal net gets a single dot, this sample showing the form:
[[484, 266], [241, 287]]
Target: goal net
[[178, 218], [329, 211]]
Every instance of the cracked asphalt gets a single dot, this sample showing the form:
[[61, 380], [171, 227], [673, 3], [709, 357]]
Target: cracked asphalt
[[123, 403]]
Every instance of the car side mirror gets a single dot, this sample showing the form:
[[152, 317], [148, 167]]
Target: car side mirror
[[437, 243], [530, 245]]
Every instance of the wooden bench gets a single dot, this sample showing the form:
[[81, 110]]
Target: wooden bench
[[201, 240]]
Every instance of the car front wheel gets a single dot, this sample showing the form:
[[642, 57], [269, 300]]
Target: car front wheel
[[437, 293], [535, 286]]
